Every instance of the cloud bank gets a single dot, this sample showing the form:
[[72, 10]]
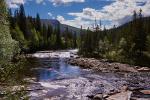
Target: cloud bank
[[60, 2], [118, 12]]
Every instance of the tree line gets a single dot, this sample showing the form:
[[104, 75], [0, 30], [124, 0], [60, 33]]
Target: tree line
[[129, 43], [33, 35]]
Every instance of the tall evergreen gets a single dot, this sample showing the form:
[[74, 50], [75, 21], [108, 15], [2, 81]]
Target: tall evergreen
[[75, 40], [49, 31], [38, 23], [22, 21], [58, 37], [140, 36]]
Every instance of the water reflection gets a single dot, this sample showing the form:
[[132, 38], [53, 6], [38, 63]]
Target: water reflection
[[52, 69]]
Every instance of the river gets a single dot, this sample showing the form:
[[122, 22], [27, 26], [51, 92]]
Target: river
[[59, 80]]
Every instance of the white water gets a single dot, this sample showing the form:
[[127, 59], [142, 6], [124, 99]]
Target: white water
[[57, 54]]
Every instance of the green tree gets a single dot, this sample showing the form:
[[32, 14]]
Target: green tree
[[18, 35], [8, 47], [38, 23], [58, 37], [140, 36], [22, 21], [148, 43]]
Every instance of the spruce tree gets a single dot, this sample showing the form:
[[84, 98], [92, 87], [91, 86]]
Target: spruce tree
[[140, 36], [38, 23], [22, 21], [58, 37]]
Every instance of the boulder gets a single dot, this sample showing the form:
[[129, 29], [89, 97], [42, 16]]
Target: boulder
[[147, 92], [121, 96], [98, 97], [144, 69], [124, 88]]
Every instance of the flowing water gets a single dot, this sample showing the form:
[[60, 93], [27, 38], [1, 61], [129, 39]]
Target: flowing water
[[59, 80]]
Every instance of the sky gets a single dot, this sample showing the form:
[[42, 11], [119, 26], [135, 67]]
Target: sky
[[84, 12]]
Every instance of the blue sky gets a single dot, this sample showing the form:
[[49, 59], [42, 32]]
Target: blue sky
[[84, 12]]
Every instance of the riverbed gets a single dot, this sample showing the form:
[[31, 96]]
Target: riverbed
[[55, 79]]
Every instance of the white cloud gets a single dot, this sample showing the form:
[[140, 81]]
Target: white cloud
[[60, 2], [14, 3], [88, 13], [77, 22], [50, 14], [39, 1], [118, 12]]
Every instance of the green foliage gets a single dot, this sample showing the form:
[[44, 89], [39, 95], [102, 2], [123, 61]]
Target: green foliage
[[34, 35], [18, 35], [8, 47], [34, 39], [38, 23], [18, 95], [22, 22], [12, 74], [128, 43], [148, 43], [52, 40]]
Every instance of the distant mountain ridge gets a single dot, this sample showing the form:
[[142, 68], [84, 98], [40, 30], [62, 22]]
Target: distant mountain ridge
[[63, 27]]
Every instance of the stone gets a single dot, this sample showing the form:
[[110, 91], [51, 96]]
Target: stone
[[121, 96], [147, 92], [30, 80], [133, 98], [90, 96], [17, 88], [124, 88], [144, 69], [98, 97]]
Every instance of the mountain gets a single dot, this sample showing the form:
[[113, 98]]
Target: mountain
[[63, 27]]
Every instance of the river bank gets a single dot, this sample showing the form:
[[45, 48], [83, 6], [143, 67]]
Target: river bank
[[105, 66]]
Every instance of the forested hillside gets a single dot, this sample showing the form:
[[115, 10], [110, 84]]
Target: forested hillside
[[35, 34], [129, 43], [54, 22]]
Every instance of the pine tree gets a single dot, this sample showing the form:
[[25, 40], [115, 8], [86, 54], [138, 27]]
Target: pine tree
[[49, 31], [58, 37], [38, 23], [22, 21], [140, 36], [75, 40], [44, 34]]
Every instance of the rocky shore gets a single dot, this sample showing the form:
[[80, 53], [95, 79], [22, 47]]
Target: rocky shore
[[105, 66], [133, 90]]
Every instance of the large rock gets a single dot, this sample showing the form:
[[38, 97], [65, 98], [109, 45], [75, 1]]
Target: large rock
[[121, 96], [147, 92], [98, 97], [144, 69]]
